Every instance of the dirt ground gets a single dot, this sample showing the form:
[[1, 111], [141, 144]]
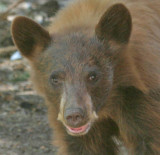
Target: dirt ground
[[24, 128]]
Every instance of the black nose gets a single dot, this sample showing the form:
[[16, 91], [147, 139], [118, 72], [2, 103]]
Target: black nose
[[74, 117]]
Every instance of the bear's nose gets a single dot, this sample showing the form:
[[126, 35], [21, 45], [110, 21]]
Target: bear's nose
[[74, 117]]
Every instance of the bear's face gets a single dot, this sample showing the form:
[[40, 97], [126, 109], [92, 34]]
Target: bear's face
[[72, 71], [75, 77]]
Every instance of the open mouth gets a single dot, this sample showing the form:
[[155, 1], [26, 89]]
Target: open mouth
[[80, 130]]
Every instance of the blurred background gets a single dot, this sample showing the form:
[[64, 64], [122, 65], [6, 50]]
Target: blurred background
[[24, 128]]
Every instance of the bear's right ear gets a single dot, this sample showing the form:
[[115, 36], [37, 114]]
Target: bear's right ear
[[29, 36]]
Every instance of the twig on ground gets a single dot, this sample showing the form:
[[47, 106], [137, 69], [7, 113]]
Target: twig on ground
[[7, 50]]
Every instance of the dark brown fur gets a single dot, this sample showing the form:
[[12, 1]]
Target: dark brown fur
[[120, 44]]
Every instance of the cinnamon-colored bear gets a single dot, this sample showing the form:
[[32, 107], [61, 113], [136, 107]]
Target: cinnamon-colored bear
[[98, 68]]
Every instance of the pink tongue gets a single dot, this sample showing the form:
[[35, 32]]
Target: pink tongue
[[78, 130]]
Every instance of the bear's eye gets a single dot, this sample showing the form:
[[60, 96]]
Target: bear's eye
[[92, 77], [57, 78]]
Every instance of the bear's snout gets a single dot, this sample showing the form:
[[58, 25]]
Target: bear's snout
[[74, 117]]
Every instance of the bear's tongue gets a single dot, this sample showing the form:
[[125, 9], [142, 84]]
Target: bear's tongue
[[78, 130]]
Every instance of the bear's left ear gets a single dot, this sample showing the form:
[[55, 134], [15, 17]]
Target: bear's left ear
[[29, 36], [115, 25]]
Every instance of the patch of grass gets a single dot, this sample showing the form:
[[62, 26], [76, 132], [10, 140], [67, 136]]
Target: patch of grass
[[19, 76]]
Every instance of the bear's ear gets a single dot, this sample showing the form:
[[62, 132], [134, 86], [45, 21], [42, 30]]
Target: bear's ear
[[115, 25], [29, 36]]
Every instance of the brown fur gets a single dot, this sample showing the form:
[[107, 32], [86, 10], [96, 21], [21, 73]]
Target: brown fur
[[129, 61]]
